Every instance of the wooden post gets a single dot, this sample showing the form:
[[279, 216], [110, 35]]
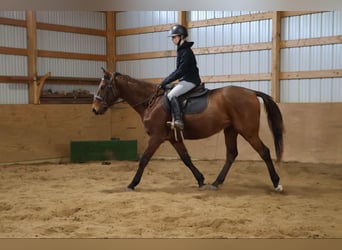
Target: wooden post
[[110, 40], [182, 18], [40, 84], [275, 74], [32, 53]]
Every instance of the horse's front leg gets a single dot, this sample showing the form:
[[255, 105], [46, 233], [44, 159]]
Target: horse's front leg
[[152, 146], [184, 155]]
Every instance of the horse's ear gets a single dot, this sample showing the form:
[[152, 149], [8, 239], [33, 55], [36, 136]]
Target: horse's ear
[[106, 72]]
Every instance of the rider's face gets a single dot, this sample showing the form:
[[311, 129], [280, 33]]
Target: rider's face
[[175, 39]]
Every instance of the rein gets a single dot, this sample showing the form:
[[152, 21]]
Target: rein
[[153, 98], [150, 100]]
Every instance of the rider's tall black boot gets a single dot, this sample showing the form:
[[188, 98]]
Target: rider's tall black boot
[[177, 113]]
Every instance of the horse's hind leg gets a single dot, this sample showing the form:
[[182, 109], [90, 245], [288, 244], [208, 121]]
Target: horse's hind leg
[[184, 155], [264, 153], [231, 153]]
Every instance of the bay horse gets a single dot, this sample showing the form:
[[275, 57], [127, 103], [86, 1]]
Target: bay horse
[[235, 110]]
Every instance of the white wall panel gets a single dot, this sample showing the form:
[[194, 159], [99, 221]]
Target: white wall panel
[[311, 90], [148, 68], [136, 19], [13, 93], [70, 67], [323, 57], [158, 41], [336, 87], [13, 14], [70, 42], [249, 62], [231, 34], [84, 19], [12, 36], [12, 65], [254, 62], [203, 15], [312, 25], [337, 23], [327, 21]]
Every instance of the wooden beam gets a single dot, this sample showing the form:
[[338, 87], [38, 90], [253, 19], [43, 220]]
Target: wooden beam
[[314, 74], [110, 40], [71, 55], [298, 13], [142, 30], [13, 22], [230, 20], [233, 48], [275, 71], [16, 79], [145, 55], [73, 80], [225, 78], [71, 29], [13, 51], [237, 78], [182, 18], [32, 52], [311, 42], [197, 51]]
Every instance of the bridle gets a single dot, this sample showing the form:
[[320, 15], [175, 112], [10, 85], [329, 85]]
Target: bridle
[[109, 85]]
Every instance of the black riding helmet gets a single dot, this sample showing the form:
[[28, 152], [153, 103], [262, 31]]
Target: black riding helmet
[[178, 30]]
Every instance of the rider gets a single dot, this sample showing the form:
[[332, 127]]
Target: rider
[[186, 72]]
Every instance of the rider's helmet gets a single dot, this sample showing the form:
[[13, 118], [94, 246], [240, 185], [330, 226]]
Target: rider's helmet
[[178, 30]]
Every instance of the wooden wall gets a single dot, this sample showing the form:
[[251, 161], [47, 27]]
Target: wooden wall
[[313, 134], [43, 132]]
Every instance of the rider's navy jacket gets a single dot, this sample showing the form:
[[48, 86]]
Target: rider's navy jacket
[[187, 69]]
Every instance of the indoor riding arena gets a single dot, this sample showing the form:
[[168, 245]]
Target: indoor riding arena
[[64, 170]]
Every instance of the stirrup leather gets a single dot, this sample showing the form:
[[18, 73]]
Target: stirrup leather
[[175, 128]]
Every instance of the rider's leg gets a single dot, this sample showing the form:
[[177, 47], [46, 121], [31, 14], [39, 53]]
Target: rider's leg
[[176, 110], [181, 88]]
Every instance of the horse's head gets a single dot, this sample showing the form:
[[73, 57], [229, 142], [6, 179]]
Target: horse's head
[[107, 93]]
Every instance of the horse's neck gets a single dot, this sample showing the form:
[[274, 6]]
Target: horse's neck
[[136, 93]]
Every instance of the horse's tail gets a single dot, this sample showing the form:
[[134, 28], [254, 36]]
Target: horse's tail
[[275, 122]]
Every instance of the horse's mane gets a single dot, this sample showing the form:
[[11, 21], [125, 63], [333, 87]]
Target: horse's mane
[[142, 88], [139, 83]]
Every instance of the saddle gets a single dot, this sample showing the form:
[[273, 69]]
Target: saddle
[[193, 102]]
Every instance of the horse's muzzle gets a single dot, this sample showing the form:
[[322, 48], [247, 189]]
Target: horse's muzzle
[[95, 111]]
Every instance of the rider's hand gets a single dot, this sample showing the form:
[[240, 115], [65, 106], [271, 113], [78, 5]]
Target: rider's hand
[[160, 86]]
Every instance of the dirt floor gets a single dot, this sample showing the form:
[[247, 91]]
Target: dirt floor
[[88, 201]]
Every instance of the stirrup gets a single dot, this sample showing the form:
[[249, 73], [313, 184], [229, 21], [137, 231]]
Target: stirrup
[[175, 129], [179, 124]]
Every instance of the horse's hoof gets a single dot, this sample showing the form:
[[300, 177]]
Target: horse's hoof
[[212, 187], [202, 187], [279, 189], [128, 189]]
